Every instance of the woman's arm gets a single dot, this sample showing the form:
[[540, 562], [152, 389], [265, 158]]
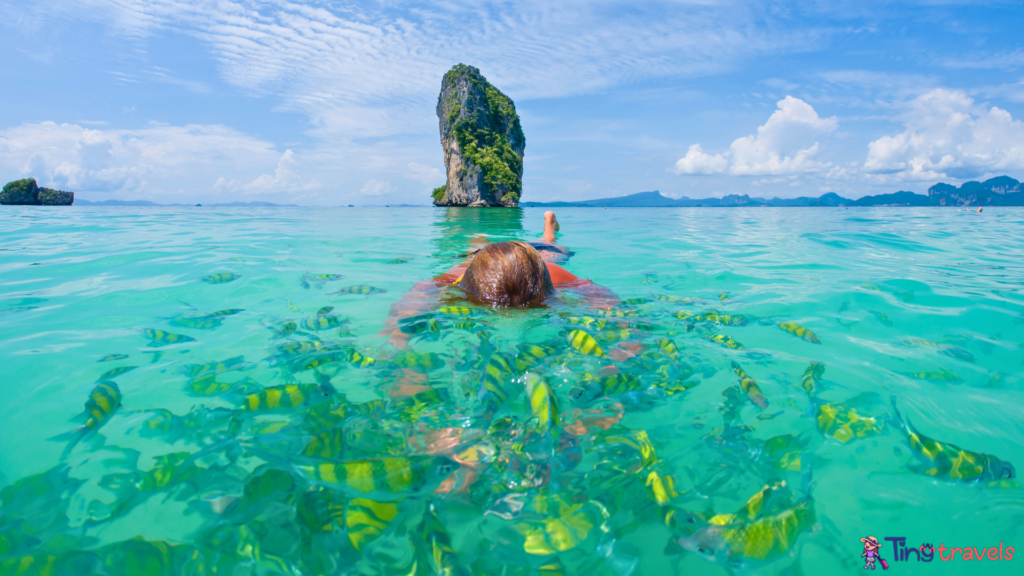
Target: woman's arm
[[420, 299]]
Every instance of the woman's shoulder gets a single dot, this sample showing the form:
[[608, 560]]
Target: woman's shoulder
[[560, 275]]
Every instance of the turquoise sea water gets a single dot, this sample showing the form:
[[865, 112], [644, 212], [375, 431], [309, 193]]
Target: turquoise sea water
[[922, 304]]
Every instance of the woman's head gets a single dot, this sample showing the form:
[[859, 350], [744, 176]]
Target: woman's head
[[507, 274]]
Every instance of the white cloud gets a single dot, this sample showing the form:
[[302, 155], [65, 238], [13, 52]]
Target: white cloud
[[697, 162], [779, 147], [376, 188], [76, 158], [425, 174], [948, 136], [284, 179]]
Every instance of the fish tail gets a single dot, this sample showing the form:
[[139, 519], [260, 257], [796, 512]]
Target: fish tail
[[897, 419]]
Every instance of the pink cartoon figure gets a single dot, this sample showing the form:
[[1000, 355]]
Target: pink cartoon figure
[[870, 554]]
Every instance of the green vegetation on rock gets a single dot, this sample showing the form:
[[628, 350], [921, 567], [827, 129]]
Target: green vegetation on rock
[[438, 193]]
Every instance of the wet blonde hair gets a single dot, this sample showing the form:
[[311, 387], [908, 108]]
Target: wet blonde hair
[[507, 274]]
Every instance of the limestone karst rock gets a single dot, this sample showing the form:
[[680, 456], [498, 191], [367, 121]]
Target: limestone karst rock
[[482, 140]]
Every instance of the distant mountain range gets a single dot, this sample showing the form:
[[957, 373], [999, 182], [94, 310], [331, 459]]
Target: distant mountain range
[[999, 191], [80, 202]]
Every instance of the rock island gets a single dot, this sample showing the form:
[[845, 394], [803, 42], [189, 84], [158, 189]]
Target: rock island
[[482, 140]]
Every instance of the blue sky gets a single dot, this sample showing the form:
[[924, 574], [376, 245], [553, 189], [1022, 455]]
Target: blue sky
[[328, 103]]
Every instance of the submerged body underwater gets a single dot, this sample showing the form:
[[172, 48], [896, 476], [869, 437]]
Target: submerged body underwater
[[774, 386]]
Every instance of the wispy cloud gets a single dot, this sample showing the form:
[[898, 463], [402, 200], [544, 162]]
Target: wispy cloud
[[358, 71]]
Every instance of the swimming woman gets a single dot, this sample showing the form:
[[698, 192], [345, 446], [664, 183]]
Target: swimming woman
[[501, 275]]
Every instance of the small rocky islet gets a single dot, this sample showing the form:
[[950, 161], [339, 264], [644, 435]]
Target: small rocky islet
[[483, 142], [26, 192]]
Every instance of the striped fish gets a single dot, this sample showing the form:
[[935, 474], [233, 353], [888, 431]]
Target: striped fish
[[366, 520], [812, 377], [195, 370], [799, 331], [386, 479], [585, 343], [161, 338], [437, 543], [497, 372], [410, 359], [722, 339], [943, 460], [288, 396], [749, 385], [327, 444], [112, 357], [531, 354], [360, 289], [200, 323], [322, 322], [942, 375], [724, 319], [543, 404], [222, 278], [843, 421], [104, 400], [595, 323], [115, 372], [674, 299], [668, 348], [459, 311]]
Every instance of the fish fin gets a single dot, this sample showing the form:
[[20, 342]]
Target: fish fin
[[73, 435], [80, 418]]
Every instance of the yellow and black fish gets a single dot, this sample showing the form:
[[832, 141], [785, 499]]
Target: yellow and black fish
[[462, 311], [161, 338], [585, 343], [196, 323], [195, 370], [674, 299], [722, 339], [410, 359], [497, 373], [362, 289], [723, 319], [750, 387], [799, 331], [366, 520], [385, 479], [115, 372], [944, 349], [882, 317], [327, 444], [942, 460], [322, 322], [104, 400], [222, 278], [942, 375], [588, 321], [741, 544], [812, 378], [844, 422], [543, 404], [288, 396], [532, 354]]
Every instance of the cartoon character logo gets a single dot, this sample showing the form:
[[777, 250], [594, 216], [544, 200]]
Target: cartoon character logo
[[870, 554]]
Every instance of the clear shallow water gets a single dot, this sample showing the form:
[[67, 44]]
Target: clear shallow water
[[79, 284]]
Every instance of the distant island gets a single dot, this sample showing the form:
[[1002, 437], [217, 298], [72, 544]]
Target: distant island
[[26, 192], [148, 203], [999, 191]]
